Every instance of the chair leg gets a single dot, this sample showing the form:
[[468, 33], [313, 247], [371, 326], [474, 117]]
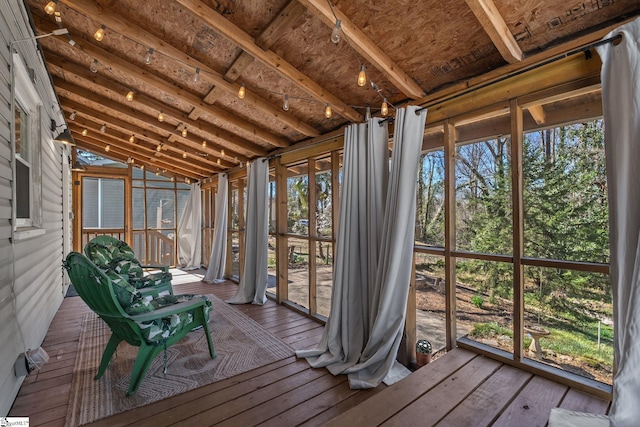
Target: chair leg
[[145, 356], [106, 356], [212, 351]]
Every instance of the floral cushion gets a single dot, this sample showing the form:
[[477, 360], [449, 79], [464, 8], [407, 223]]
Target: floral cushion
[[124, 292], [150, 280]]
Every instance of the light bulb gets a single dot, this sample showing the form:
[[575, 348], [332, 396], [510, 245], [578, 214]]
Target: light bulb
[[367, 115], [84, 132], [327, 111], [159, 147], [132, 139], [157, 173], [242, 91], [103, 129], [187, 180], [362, 76], [247, 164], [384, 110], [184, 155], [196, 76], [285, 104], [73, 115], [161, 116], [204, 144], [218, 161], [173, 178], [141, 167], [50, 8], [129, 160], [94, 66], [222, 153], [107, 148], [99, 34], [147, 59], [129, 96], [335, 34], [184, 132]]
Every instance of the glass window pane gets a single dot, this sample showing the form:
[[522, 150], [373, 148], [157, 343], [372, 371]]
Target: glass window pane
[[483, 197], [430, 199], [297, 200], [102, 203], [569, 321], [565, 193], [138, 208], [298, 252]]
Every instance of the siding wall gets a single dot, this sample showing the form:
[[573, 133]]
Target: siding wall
[[32, 284]]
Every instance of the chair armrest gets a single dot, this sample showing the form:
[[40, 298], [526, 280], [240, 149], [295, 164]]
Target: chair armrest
[[163, 268], [195, 302]]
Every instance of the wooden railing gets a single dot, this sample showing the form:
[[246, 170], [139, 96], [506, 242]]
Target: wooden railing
[[150, 246]]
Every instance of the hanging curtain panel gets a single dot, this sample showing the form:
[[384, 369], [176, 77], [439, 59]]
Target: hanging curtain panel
[[215, 270], [189, 233], [253, 282], [621, 99]]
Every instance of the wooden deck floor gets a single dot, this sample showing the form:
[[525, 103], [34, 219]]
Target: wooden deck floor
[[460, 388]]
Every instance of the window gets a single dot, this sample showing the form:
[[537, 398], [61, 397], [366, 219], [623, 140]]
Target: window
[[27, 136]]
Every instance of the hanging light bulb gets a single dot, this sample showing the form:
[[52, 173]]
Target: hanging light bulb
[[129, 96], [147, 59], [218, 161], [367, 115], [204, 144], [73, 115], [196, 76], [103, 128], [247, 164], [184, 132], [99, 34], [327, 111], [157, 173], [187, 180], [173, 178], [335, 34], [132, 139], [184, 155], [107, 148], [384, 110], [141, 167], [94, 66], [84, 132], [242, 91], [221, 153], [161, 116], [159, 147], [362, 76], [129, 160], [50, 8], [285, 104]]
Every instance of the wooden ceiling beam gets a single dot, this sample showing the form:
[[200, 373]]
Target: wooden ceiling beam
[[133, 31], [113, 61], [537, 113], [280, 25], [246, 42], [230, 142], [493, 23], [366, 47]]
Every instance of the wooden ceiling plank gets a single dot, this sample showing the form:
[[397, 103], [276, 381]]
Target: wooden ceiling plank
[[280, 25], [366, 47], [537, 113], [212, 133], [160, 83], [493, 23], [246, 42], [135, 32], [239, 65]]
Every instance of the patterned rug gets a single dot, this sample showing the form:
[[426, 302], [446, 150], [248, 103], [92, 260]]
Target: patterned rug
[[240, 342]]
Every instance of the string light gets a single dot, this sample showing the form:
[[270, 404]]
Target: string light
[[103, 129], [196, 76], [107, 148], [242, 91], [161, 116], [159, 147], [50, 8], [362, 76], [129, 160], [173, 178], [384, 109], [141, 167], [221, 153], [285, 104], [184, 132], [73, 115], [184, 155], [157, 173], [129, 96], [367, 115], [247, 164], [187, 180], [132, 139], [147, 59], [99, 34], [327, 111], [204, 144], [218, 161], [94, 66], [335, 34], [85, 132]]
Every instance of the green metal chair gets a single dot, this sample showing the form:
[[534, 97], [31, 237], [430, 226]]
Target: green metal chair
[[108, 252], [153, 324]]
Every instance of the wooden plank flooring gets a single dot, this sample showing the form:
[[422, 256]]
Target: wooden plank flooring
[[460, 388]]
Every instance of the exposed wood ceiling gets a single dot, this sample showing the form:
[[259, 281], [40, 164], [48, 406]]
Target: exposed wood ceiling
[[410, 49]]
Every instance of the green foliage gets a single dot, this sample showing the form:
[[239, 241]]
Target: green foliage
[[477, 300], [491, 329]]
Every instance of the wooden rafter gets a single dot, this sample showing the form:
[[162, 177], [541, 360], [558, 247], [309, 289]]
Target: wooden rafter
[[494, 25], [365, 47], [538, 114], [270, 58]]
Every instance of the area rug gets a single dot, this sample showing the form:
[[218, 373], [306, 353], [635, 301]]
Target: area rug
[[240, 342]]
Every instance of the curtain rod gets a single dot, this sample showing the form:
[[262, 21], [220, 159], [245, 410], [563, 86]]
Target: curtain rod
[[586, 49]]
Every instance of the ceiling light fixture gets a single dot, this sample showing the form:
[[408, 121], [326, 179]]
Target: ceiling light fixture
[[50, 8], [129, 96], [196, 76], [285, 104], [159, 147], [221, 153], [242, 91], [204, 144], [99, 34], [132, 139], [147, 59], [384, 109], [85, 132], [184, 155], [161, 116], [184, 132], [94, 66], [218, 161], [107, 148], [362, 76], [327, 111], [335, 34]]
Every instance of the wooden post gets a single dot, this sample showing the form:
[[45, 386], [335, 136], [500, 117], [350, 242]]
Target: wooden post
[[518, 227], [282, 254], [450, 233], [410, 333]]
